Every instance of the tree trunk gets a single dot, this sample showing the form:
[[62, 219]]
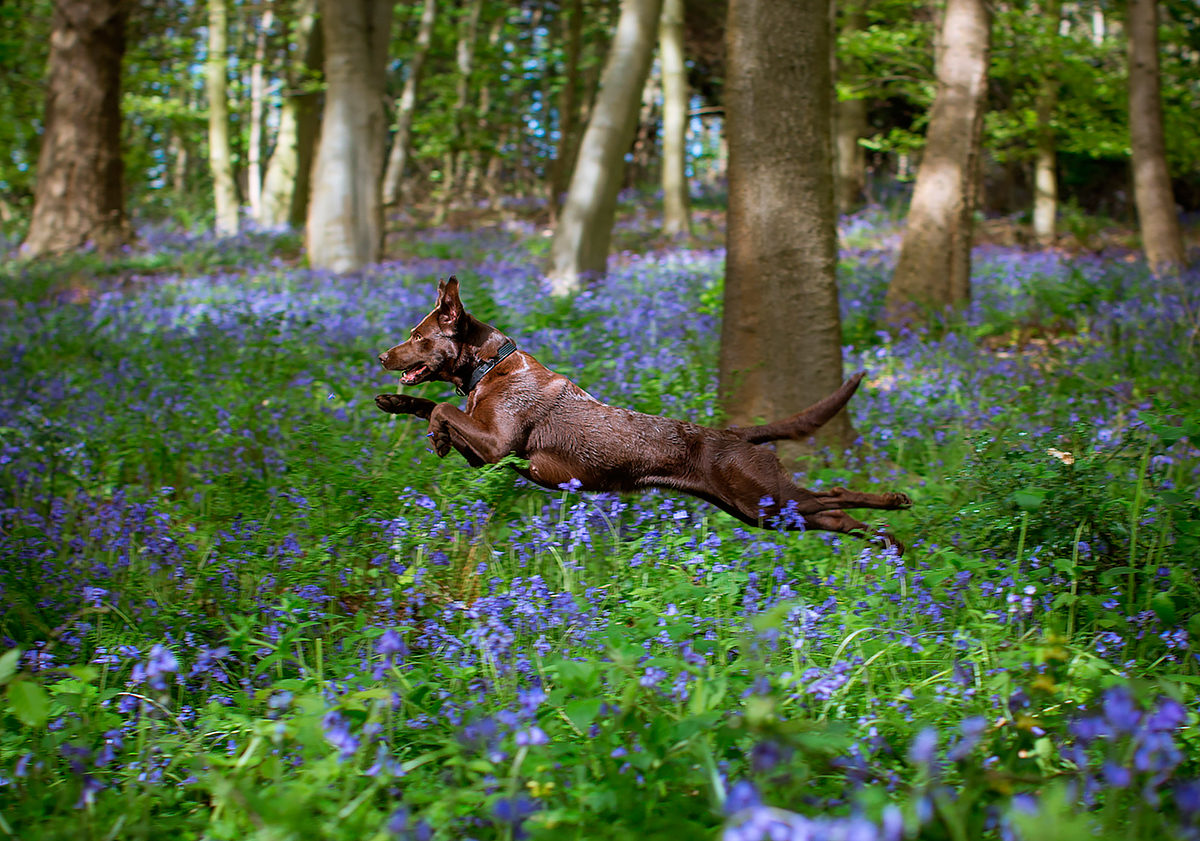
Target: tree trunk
[[220, 155], [345, 217], [1045, 178], [468, 33], [258, 96], [401, 140], [568, 99], [1157, 215], [934, 267], [676, 206], [286, 185], [580, 245], [850, 124], [80, 194], [781, 338]]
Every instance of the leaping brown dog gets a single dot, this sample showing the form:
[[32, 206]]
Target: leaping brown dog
[[517, 406]]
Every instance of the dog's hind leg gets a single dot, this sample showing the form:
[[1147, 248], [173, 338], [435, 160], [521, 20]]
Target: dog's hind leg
[[843, 523]]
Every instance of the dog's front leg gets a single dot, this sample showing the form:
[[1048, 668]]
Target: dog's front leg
[[405, 404], [449, 427]]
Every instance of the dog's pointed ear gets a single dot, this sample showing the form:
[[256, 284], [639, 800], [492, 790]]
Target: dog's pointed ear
[[451, 315]]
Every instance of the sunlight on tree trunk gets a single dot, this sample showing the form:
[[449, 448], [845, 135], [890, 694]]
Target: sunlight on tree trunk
[[398, 157], [676, 211], [580, 246], [934, 267], [781, 337], [1045, 177], [79, 197], [220, 156], [345, 216], [1157, 215], [286, 185], [258, 97], [452, 171]]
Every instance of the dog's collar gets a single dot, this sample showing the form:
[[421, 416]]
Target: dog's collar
[[479, 373]]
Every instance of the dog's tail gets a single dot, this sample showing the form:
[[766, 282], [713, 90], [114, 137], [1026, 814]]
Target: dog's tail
[[805, 423]]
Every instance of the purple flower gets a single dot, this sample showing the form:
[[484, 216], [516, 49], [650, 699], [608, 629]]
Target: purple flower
[[923, 747], [533, 736], [742, 796]]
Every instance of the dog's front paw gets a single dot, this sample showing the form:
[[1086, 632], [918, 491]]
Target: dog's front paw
[[899, 501], [439, 436], [404, 404]]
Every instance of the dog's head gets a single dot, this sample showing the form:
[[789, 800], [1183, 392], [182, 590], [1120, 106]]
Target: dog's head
[[434, 346]]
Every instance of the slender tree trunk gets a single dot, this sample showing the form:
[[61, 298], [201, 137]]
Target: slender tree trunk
[[580, 245], [80, 193], [934, 267], [568, 107], [677, 218], [1045, 177], [468, 33], [258, 98], [850, 124], [1157, 215], [402, 139], [345, 216], [286, 184], [474, 175], [220, 155], [781, 340]]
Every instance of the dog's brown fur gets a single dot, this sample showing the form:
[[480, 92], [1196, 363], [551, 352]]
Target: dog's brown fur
[[522, 408]]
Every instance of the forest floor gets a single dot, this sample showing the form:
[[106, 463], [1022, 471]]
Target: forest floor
[[238, 602]]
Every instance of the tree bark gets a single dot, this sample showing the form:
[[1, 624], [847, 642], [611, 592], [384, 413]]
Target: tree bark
[[402, 139], [781, 341], [850, 123], [934, 267], [79, 198], [1157, 215], [220, 155], [677, 218], [258, 97], [568, 106], [468, 34], [1045, 177], [345, 216], [286, 184], [580, 245]]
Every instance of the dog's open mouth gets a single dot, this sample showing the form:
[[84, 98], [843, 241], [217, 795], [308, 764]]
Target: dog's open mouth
[[414, 374]]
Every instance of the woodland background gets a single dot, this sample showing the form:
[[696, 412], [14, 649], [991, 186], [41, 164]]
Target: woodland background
[[239, 602]]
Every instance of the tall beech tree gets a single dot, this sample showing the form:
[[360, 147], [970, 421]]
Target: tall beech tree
[[286, 183], [220, 152], [80, 192], [781, 337], [581, 239], [407, 106], [345, 215], [934, 267], [676, 211], [1045, 175], [1157, 216]]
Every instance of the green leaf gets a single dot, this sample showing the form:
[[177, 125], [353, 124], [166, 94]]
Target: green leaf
[[1029, 499], [8, 664], [583, 711], [29, 702], [1164, 607]]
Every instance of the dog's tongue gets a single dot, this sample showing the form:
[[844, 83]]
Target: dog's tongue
[[410, 375]]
